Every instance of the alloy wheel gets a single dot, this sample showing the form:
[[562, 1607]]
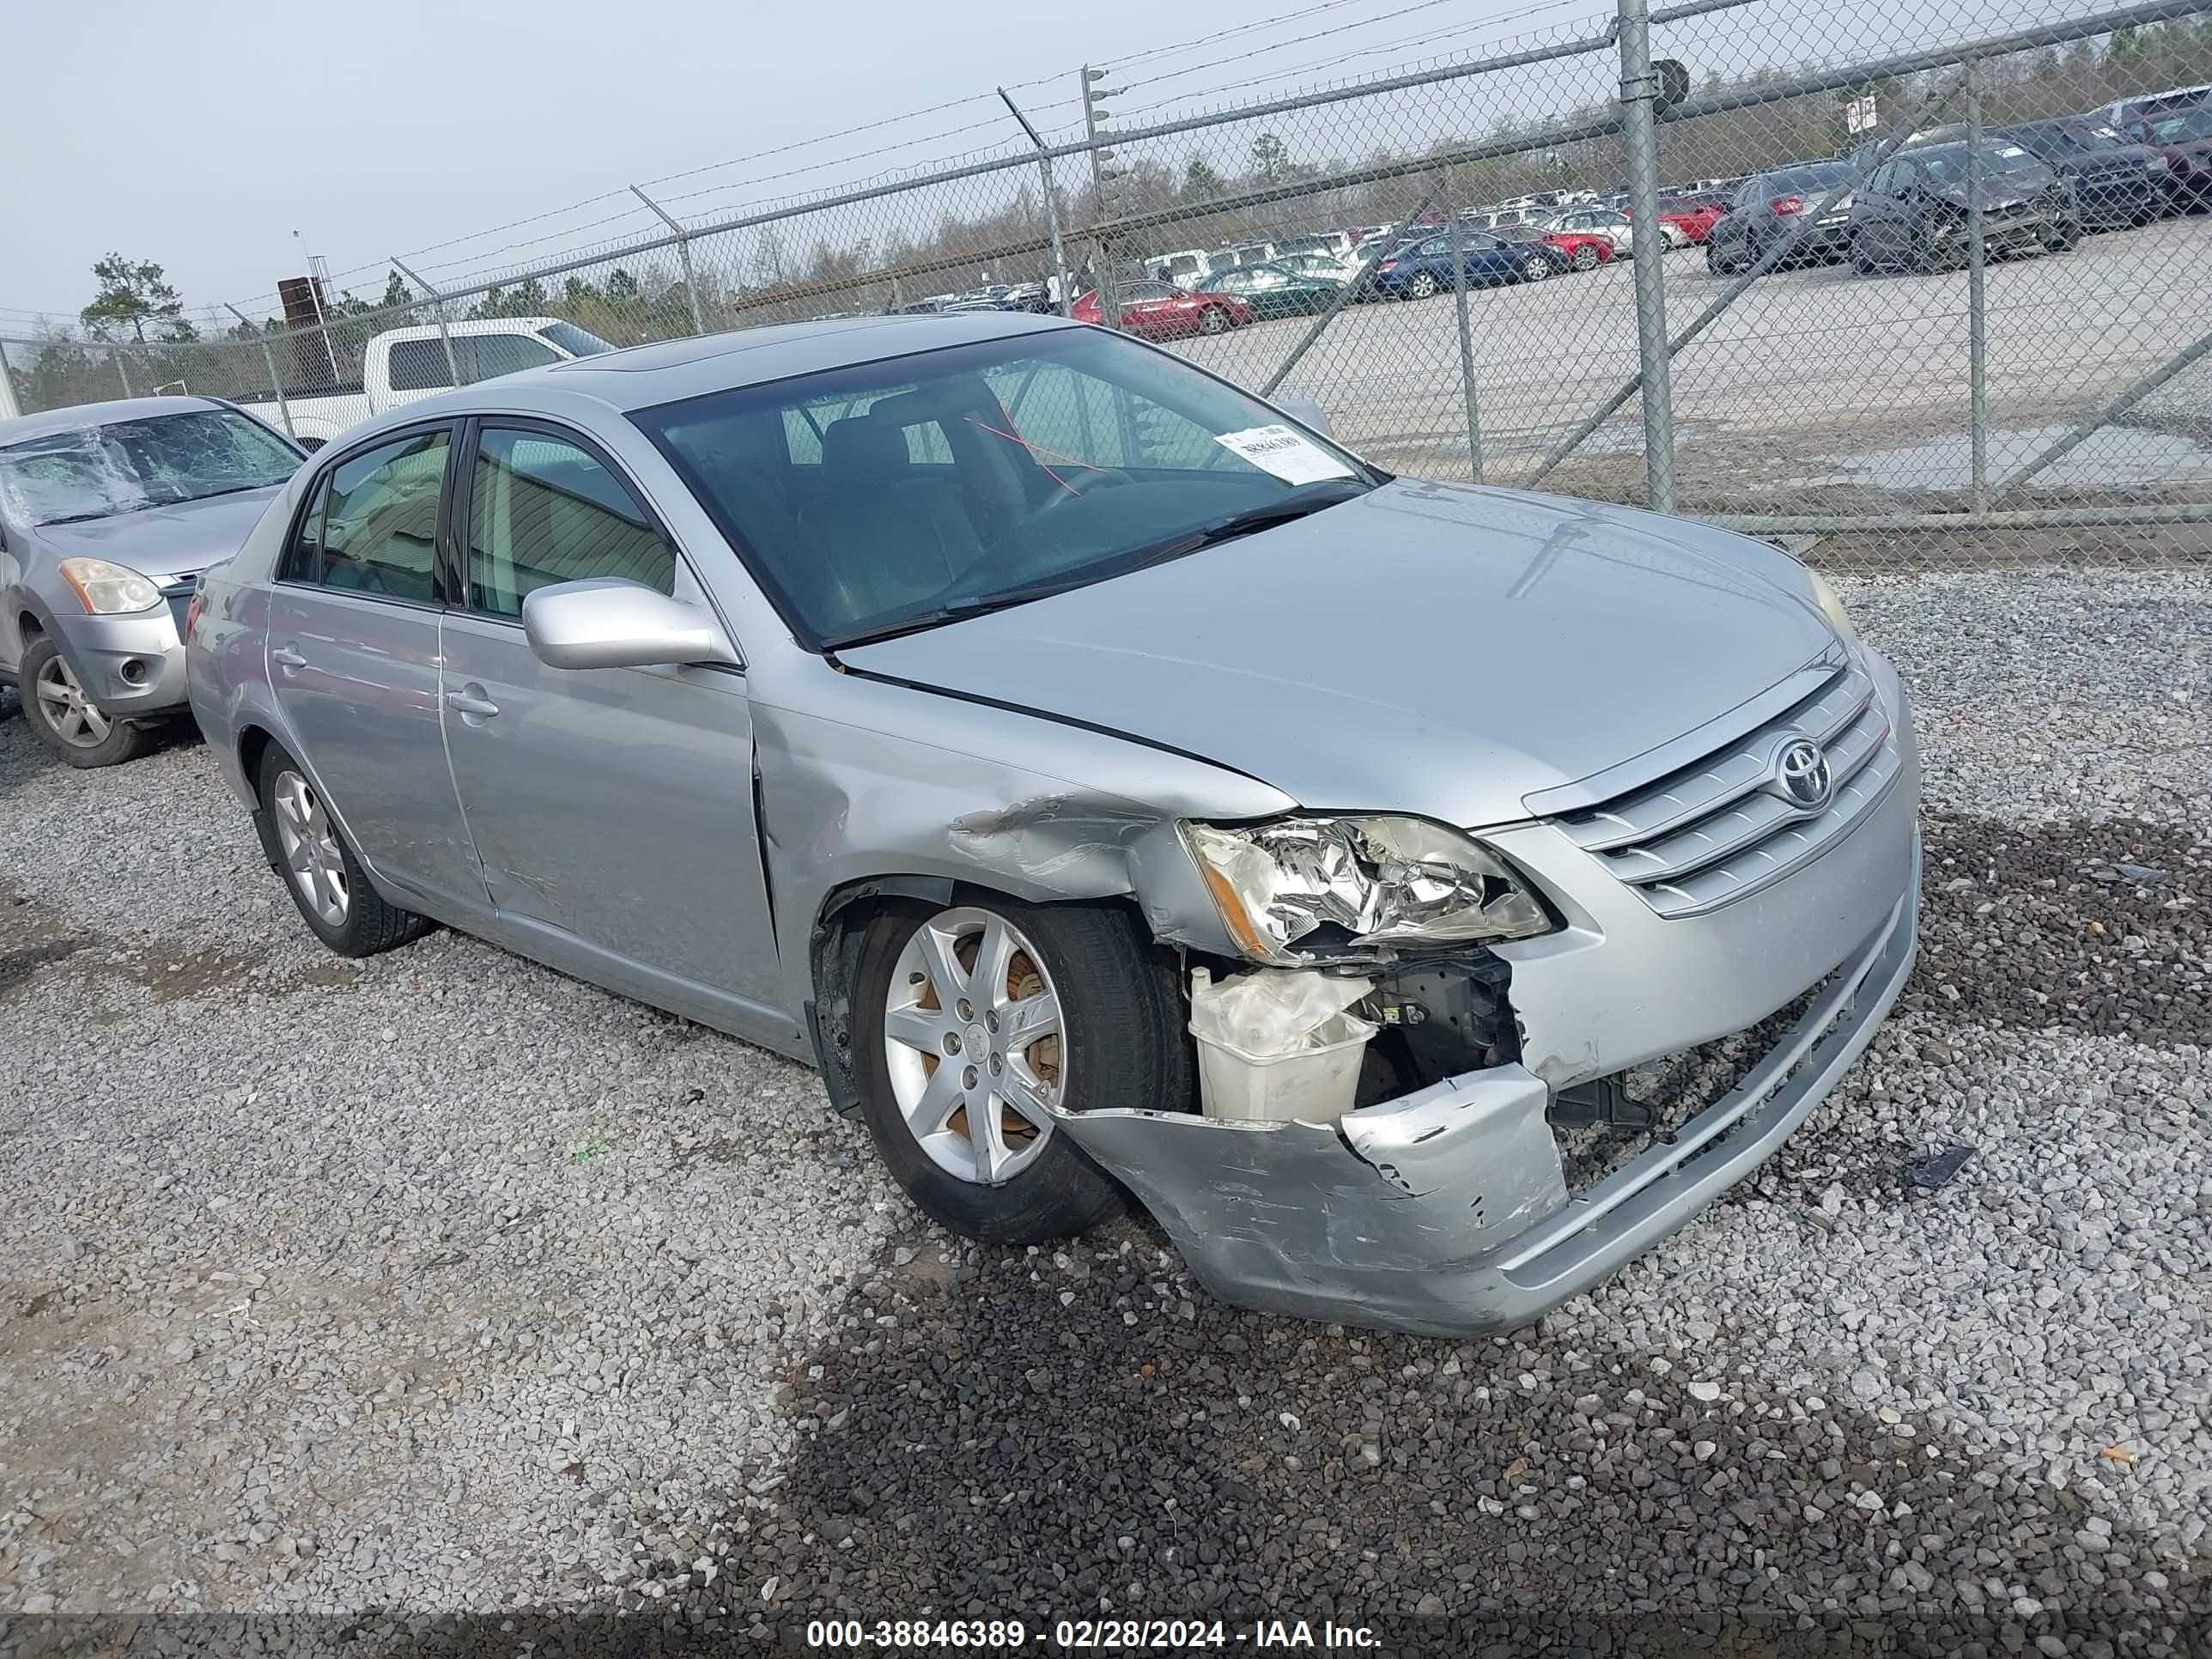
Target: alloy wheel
[[308, 840], [972, 1044], [1421, 287], [74, 717], [1537, 269]]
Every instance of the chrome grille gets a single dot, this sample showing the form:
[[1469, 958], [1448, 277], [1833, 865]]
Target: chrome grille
[[1721, 829]]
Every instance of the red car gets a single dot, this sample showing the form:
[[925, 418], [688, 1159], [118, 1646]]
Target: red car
[[1585, 249], [1693, 215], [1160, 311]]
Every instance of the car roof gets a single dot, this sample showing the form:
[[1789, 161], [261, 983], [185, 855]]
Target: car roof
[[642, 377], [77, 416]]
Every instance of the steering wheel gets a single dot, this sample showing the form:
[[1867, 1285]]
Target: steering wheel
[[1083, 484]]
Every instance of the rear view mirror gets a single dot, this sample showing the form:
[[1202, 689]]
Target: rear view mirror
[[611, 622], [1304, 410]]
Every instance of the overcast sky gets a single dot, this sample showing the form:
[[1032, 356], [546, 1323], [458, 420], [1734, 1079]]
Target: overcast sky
[[201, 135]]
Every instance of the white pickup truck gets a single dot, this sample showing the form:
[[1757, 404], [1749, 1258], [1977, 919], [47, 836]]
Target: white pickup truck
[[402, 364]]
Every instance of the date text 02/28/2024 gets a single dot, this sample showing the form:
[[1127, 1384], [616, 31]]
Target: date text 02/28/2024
[[1085, 1634]]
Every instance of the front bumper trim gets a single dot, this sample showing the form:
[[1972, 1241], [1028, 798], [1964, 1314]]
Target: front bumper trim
[[1445, 1211]]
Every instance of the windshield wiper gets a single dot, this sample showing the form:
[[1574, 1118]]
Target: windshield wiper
[[959, 610], [1305, 500], [227, 489]]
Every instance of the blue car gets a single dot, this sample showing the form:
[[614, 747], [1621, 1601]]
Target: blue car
[[1421, 269]]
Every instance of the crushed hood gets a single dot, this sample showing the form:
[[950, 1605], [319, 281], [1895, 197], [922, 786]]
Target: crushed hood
[[164, 541], [1430, 648]]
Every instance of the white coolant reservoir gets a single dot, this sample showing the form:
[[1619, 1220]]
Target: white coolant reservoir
[[1278, 1044]]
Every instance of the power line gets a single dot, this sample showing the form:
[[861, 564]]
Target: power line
[[1401, 44], [1273, 22], [1296, 40]]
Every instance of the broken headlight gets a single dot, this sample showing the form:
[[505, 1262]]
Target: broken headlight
[[1328, 886]]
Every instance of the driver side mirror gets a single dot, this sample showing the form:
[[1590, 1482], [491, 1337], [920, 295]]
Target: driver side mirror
[[1305, 411], [612, 621]]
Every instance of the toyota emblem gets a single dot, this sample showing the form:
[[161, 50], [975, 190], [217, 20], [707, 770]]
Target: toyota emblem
[[1801, 769]]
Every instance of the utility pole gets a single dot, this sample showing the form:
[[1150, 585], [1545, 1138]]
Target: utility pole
[[1101, 174]]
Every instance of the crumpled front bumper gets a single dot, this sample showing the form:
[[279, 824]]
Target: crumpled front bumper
[[1446, 1212]]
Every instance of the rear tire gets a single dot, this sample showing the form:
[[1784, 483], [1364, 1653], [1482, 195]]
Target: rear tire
[[1214, 320], [1421, 287], [1537, 270], [319, 870], [66, 719], [1118, 1047], [1586, 257]]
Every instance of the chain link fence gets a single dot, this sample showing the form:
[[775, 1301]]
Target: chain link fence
[[1888, 285]]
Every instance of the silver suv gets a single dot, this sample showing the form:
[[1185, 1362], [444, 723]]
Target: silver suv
[[974, 705], [108, 513]]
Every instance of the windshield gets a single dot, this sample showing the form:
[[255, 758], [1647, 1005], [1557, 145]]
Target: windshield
[[875, 497], [99, 471], [2180, 127], [1947, 163], [576, 342]]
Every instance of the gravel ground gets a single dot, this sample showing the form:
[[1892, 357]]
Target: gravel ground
[[444, 1284]]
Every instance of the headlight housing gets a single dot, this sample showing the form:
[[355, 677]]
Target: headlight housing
[[1340, 886], [1832, 607], [108, 590]]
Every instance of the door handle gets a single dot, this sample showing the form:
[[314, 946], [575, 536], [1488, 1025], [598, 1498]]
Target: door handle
[[470, 704], [285, 657]]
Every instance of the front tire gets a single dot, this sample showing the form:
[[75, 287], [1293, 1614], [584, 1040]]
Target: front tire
[[1536, 269], [1422, 286], [975, 1026], [1214, 320], [1586, 257], [320, 872], [68, 721]]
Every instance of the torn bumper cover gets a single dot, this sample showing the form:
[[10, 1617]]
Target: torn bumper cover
[[1445, 1211]]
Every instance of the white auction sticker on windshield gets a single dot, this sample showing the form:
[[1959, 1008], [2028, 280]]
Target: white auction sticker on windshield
[[1290, 455]]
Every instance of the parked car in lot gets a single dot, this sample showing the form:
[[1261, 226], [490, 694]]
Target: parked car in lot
[[1911, 213], [2184, 137], [2116, 181], [1160, 311], [1276, 289], [1582, 250], [1691, 218], [1776, 207], [870, 693], [2126, 113], [1423, 268], [108, 513], [403, 364], [1604, 221]]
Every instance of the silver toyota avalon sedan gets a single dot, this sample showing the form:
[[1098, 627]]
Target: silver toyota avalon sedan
[[108, 513], [1107, 780]]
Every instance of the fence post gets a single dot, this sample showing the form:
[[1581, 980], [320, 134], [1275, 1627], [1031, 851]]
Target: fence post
[[683, 257], [438, 300], [9, 409], [1639, 98], [269, 360], [121, 368], [1051, 201], [1978, 327], [1466, 344]]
